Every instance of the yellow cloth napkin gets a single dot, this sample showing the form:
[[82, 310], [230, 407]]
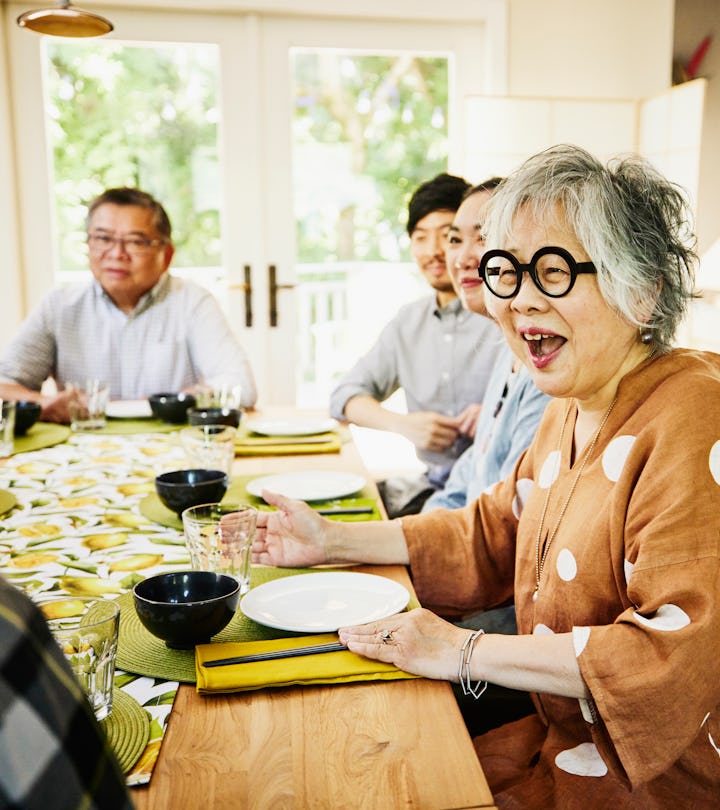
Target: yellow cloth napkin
[[274, 446], [325, 668]]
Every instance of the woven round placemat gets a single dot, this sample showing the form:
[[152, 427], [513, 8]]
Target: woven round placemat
[[127, 729], [153, 508], [143, 654], [40, 435]]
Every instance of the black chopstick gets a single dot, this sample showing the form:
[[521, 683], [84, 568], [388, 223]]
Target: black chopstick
[[333, 646], [346, 510]]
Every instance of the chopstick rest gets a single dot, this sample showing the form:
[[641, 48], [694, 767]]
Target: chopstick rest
[[294, 652]]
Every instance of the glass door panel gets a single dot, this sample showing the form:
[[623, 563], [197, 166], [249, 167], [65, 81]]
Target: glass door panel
[[138, 115], [354, 116], [368, 121]]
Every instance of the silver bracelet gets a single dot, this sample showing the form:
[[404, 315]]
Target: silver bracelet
[[464, 667]]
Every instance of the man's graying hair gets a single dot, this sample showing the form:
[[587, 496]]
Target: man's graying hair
[[634, 224], [135, 197]]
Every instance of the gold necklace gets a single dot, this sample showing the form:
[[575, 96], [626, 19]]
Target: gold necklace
[[540, 558]]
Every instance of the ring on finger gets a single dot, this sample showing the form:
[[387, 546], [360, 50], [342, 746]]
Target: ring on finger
[[386, 637]]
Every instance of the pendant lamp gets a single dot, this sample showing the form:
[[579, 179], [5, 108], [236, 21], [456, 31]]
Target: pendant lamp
[[64, 21]]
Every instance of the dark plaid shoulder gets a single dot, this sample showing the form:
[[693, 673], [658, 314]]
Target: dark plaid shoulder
[[53, 753]]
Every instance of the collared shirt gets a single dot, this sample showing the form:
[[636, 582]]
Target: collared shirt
[[176, 336], [53, 753], [510, 415], [442, 358]]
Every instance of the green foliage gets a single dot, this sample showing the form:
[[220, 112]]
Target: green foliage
[[384, 121], [140, 116], [367, 130]]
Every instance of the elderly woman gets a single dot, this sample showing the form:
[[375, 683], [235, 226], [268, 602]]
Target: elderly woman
[[607, 533]]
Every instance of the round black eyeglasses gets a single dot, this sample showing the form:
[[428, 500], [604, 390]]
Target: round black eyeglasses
[[552, 269]]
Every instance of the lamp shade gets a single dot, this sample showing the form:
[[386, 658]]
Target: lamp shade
[[65, 21]]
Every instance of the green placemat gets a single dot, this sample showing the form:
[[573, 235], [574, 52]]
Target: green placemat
[[140, 652], [127, 729], [41, 434], [152, 507], [7, 501], [127, 426]]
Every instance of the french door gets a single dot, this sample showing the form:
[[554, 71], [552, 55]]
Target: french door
[[299, 318]]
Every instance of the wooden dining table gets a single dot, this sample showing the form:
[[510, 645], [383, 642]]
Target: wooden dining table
[[375, 745]]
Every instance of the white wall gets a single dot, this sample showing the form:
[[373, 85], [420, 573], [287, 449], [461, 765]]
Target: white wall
[[590, 48], [502, 132], [577, 73]]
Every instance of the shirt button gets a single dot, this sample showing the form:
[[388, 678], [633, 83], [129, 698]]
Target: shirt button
[[445, 375], [448, 338]]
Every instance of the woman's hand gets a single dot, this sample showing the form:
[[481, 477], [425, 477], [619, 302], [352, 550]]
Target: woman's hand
[[291, 537], [467, 420], [420, 643]]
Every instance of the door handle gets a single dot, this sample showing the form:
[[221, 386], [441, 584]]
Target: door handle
[[247, 289], [274, 287]]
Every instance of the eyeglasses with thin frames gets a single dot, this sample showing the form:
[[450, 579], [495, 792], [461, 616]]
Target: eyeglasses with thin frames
[[132, 245], [553, 270]]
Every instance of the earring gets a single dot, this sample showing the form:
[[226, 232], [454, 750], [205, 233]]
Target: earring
[[646, 335]]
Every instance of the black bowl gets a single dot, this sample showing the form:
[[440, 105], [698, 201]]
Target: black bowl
[[171, 408], [186, 608], [181, 489], [26, 414], [215, 416]]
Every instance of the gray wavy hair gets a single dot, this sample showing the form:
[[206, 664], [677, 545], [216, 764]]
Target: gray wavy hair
[[635, 225]]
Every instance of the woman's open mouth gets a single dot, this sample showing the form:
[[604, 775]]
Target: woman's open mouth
[[542, 346]]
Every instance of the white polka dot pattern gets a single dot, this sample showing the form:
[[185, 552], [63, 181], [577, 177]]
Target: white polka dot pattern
[[666, 618], [710, 736], [583, 760], [715, 461], [580, 636], [523, 487], [615, 455], [566, 565], [542, 630], [550, 470], [585, 710]]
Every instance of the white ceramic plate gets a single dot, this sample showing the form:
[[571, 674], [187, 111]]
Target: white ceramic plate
[[290, 427], [312, 485], [128, 409], [321, 603]]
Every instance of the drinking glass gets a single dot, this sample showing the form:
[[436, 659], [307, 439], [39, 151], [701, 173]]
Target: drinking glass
[[86, 628], [209, 447], [219, 536], [87, 404], [7, 428], [218, 394]]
